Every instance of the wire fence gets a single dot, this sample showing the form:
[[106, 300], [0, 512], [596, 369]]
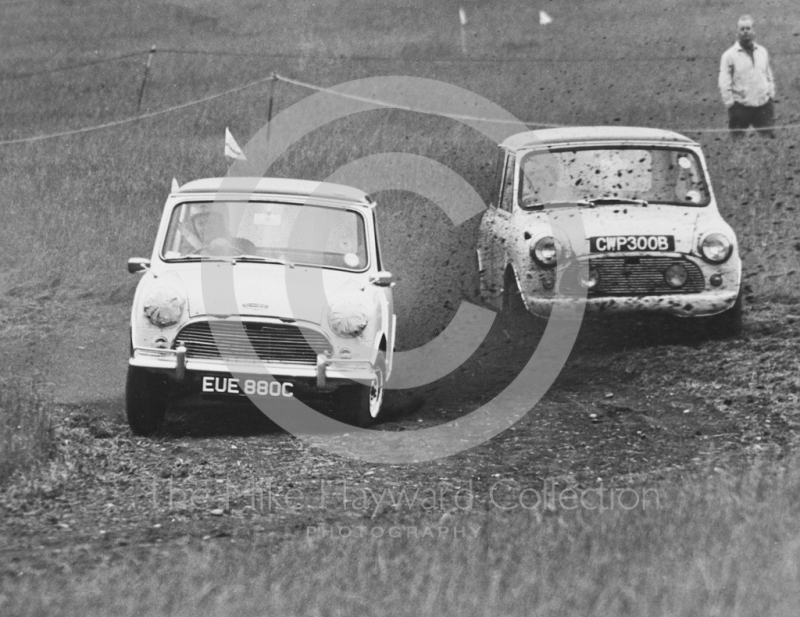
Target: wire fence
[[481, 119], [463, 59], [393, 59], [137, 118], [72, 67], [309, 86]]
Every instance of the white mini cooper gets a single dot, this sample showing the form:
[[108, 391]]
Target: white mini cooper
[[626, 216], [261, 288]]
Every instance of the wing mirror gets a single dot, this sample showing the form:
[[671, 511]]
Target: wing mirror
[[138, 264], [382, 279]]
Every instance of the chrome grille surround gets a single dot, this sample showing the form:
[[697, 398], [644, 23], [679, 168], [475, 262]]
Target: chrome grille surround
[[641, 275], [249, 341]]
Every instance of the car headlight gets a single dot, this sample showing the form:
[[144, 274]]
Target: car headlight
[[546, 251], [163, 307], [348, 317], [715, 248]]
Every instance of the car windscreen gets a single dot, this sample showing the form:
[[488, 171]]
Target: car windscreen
[[271, 231], [659, 175]]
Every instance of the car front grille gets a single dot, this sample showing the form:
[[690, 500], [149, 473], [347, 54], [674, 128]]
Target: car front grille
[[633, 276], [241, 341]]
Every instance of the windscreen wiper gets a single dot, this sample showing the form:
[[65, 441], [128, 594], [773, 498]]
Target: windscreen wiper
[[616, 200], [259, 259], [556, 204], [201, 258]]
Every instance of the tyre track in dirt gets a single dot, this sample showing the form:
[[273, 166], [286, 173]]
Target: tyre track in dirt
[[636, 404]]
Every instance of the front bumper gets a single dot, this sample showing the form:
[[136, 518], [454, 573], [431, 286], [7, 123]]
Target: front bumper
[[682, 305], [326, 374]]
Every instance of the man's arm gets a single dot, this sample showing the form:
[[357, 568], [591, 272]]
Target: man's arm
[[726, 79], [189, 237], [770, 81]]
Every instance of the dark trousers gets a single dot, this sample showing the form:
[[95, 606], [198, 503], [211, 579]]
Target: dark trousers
[[760, 118]]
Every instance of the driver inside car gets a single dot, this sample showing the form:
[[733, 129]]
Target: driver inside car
[[209, 228], [207, 232]]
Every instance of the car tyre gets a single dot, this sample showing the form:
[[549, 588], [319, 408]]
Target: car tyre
[[515, 313], [727, 324], [146, 400], [360, 404]]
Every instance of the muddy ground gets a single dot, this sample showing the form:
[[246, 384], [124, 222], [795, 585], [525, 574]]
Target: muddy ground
[[639, 402]]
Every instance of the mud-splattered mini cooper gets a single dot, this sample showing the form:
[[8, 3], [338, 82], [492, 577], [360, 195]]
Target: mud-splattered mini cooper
[[625, 216], [261, 288]]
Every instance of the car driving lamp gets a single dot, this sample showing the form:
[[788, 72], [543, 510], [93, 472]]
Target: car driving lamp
[[715, 248], [676, 276], [591, 281]]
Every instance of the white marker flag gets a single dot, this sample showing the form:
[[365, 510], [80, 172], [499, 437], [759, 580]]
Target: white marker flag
[[232, 149], [462, 16], [544, 18]]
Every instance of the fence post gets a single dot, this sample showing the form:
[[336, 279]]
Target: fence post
[[144, 79], [269, 107], [271, 95]]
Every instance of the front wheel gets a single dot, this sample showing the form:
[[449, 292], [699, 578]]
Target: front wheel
[[514, 311], [146, 400], [360, 404], [727, 324]]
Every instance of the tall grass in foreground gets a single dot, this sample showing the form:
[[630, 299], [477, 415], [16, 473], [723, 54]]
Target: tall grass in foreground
[[26, 430], [719, 545]]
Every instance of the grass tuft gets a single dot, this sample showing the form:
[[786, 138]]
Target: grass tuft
[[26, 430], [721, 543]]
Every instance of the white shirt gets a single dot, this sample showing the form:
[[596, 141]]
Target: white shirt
[[744, 78]]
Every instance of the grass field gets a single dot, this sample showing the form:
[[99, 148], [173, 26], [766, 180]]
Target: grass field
[[26, 432], [720, 544], [76, 207]]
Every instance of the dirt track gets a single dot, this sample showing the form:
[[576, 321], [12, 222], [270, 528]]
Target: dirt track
[[657, 409], [637, 402]]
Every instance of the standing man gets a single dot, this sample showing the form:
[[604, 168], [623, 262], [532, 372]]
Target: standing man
[[745, 82]]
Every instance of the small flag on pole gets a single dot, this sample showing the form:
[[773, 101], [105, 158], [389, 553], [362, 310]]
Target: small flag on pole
[[462, 18], [232, 149], [544, 18]]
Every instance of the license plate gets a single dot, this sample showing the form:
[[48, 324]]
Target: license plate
[[619, 244], [223, 386]]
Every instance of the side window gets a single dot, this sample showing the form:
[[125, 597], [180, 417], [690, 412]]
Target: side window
[[497, 183], [507, 197], [377, 240]]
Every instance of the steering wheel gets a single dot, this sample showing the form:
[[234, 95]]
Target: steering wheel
[[245, 246], [220, 247]]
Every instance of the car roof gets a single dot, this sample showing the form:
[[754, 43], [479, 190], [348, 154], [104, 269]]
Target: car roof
[[277, 186], [590, 134]]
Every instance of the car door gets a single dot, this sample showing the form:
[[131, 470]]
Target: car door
[[493, 233], [388, 318]]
